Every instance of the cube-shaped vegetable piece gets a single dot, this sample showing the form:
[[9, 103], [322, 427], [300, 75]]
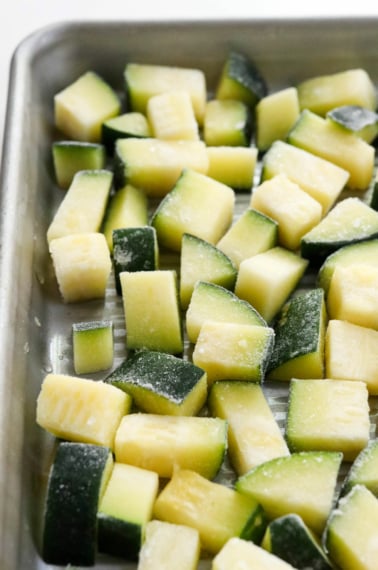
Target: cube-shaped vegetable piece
[[216, 511], [349, 544], [145, 80], [131, 124], [233, 166], [83, 206], [241, 79], [92, 346], [351, 353], [364, 470], [356, 119], [166, 443], [233, 351], [252, 233], [275, 116], [266, 280], [213, 302], [156, 165], [253, 433], [78, 409], [295, 211], [127, 208], [353, 295], [125, 509], [227, 122], [171, 116], [278, 485], [82, 107], [78, 476], [166, 543], [69, 157], [82, 266], [298, 350], [320, 178], [239, 554], [331, 415], [152, 314], [134, 249], [201, 260], [179, 212], [161, 383]]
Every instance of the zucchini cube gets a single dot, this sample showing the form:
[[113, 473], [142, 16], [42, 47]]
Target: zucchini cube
[[82, 266], [275, 116], [82, 107], [330, 415], [125, 509], [216, 511], [227, 123], [364, 470], [152, 313], [238, 554], [233, 351], [132, 124], [351, 353], [172, 117], [295, 211], [233, 165], [178, 213], [92, 346], [161, 383], [69, 157]]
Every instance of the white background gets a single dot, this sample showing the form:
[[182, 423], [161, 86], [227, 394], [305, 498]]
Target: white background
[[19, 18]]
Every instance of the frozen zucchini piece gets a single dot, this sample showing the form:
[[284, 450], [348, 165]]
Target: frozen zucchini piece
[[216, 511], [241, 79], [364, 470], [92, 346], [276, 114], [213, 302], [252, 233], [253, 433], [127, 208], [83, 206], [325, 139], [69, 157], [123, 126], [302, 483], [349, 221], [178, 213], [79, 409], [353, 295], [359, 120], [373, 203], [82, 266], [161, 383], [320, 178], [241, 554], [365, 252], [227, 122], [134, 249], [329, 415], [151, 307], [171, 116], [201, 260], [350, 536], [298, 350], [351, 353], [77, 479], [165, 444], [233, 165], [166, 543], [82, 107], [125, 509], [155, 165], [295, 211], [145, 80], [322, 93], [267, 279], [230, 351], [291, 540]]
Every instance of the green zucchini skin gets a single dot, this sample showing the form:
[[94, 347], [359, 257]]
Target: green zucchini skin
[[70, 523], [118, 537]]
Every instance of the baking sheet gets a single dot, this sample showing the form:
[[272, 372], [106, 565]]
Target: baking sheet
[[35, 325]]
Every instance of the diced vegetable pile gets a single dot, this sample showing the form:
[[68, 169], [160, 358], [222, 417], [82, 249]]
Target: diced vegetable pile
[[210, 212]]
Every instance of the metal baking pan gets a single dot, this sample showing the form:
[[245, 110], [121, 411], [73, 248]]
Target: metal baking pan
[[35, 325]]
